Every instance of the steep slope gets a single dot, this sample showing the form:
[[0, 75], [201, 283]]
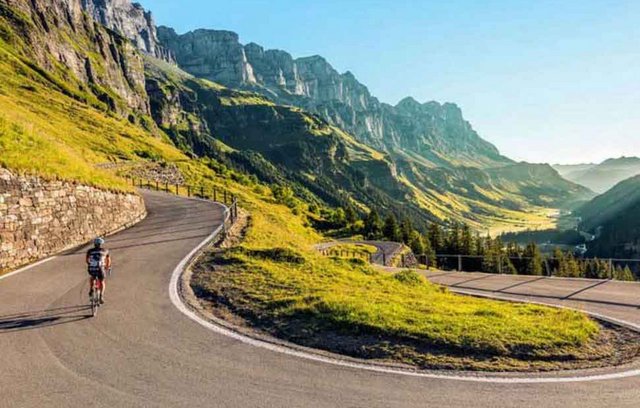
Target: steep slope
[[131, 21], [545, 187], [614, 217], [66, 47], [415, 174], [56, 117], [433, 131], [603, 176], [430, 144], [283, 144], [275, 143], [609, 205]]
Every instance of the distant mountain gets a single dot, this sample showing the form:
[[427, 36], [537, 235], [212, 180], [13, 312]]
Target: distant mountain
[[601, 177], [614, 217], [436, 133], [308, 127]]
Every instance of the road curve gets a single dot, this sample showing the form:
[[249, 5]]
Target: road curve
[[141, 351]]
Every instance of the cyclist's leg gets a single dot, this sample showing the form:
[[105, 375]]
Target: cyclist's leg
[[102, 285], [91, 279]]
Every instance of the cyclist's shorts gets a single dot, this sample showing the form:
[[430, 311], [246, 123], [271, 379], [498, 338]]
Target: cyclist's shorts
[[98, 274]]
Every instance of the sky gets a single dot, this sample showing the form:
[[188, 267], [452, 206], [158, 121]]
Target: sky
[[545, 81]]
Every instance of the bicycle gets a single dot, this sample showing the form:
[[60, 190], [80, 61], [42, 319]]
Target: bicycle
[[94, 299]]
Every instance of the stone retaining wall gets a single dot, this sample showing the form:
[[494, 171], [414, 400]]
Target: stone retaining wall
[[39, 218]]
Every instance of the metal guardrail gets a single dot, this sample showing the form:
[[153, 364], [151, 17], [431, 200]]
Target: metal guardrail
[[594, 268], [210, 193], [344, 253], [604, 268]]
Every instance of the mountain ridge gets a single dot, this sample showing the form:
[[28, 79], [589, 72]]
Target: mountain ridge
[[313, 84], [614, 218], [278, 143], [602, 176]]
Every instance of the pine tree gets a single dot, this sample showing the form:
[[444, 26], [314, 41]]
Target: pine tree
[[350, 214], [533, 260], [407, 230], [625, 274], [429, 252], [492, 260], [466, 241], [480, 245], [373, 225], [391, 229], [338, 218], [416, 243], [436, 237], [453, 241]]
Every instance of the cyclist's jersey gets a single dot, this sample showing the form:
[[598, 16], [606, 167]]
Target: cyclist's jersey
[[97, 261]]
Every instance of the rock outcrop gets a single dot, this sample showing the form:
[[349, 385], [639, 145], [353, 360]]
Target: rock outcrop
[[210, 54], [437, 132], [130, 20], [58, 32], [41, 217]]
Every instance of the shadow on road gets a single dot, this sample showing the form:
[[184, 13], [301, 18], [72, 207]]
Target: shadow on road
[[42, 318]]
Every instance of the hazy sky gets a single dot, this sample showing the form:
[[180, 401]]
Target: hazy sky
[[546, 81]]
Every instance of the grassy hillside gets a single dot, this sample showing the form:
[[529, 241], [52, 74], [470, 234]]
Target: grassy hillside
[[49, 126], [615, 219], [46, 132], [327, 165]]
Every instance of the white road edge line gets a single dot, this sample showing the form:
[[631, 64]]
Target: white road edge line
[[26, 268], [179, 304]]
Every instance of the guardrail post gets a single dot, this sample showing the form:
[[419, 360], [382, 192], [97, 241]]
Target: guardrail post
[[459, 263], [188, 191], [384, 259], [177, 190], [166, 187]]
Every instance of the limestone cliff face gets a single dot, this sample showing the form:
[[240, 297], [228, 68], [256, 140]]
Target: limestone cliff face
[[212, 54], [437, 132], [131, 21], [58, 32]]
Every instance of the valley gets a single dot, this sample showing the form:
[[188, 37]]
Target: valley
[[245, 304]]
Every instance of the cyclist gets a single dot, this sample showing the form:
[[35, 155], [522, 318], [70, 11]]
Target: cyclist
[[98, 263]]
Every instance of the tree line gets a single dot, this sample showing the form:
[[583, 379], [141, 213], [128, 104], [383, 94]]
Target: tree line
[[478, 253]]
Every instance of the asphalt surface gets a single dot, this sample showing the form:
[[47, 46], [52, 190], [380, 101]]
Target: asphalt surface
[[140, 351]]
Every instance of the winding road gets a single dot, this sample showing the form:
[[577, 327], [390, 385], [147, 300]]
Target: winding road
[[142, 351]]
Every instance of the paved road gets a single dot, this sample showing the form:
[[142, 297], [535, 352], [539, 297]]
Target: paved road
[[142, 352]]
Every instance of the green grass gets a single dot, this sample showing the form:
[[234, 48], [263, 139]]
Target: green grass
[[46, 131], [358, 248], [47, 127], [349, 296]]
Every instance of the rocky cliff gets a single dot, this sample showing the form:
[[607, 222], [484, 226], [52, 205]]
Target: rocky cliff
[[436, 132], [132, 21], [57, 34]]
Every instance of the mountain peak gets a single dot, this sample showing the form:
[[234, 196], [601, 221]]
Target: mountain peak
[[622, 160], [408, 102]]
